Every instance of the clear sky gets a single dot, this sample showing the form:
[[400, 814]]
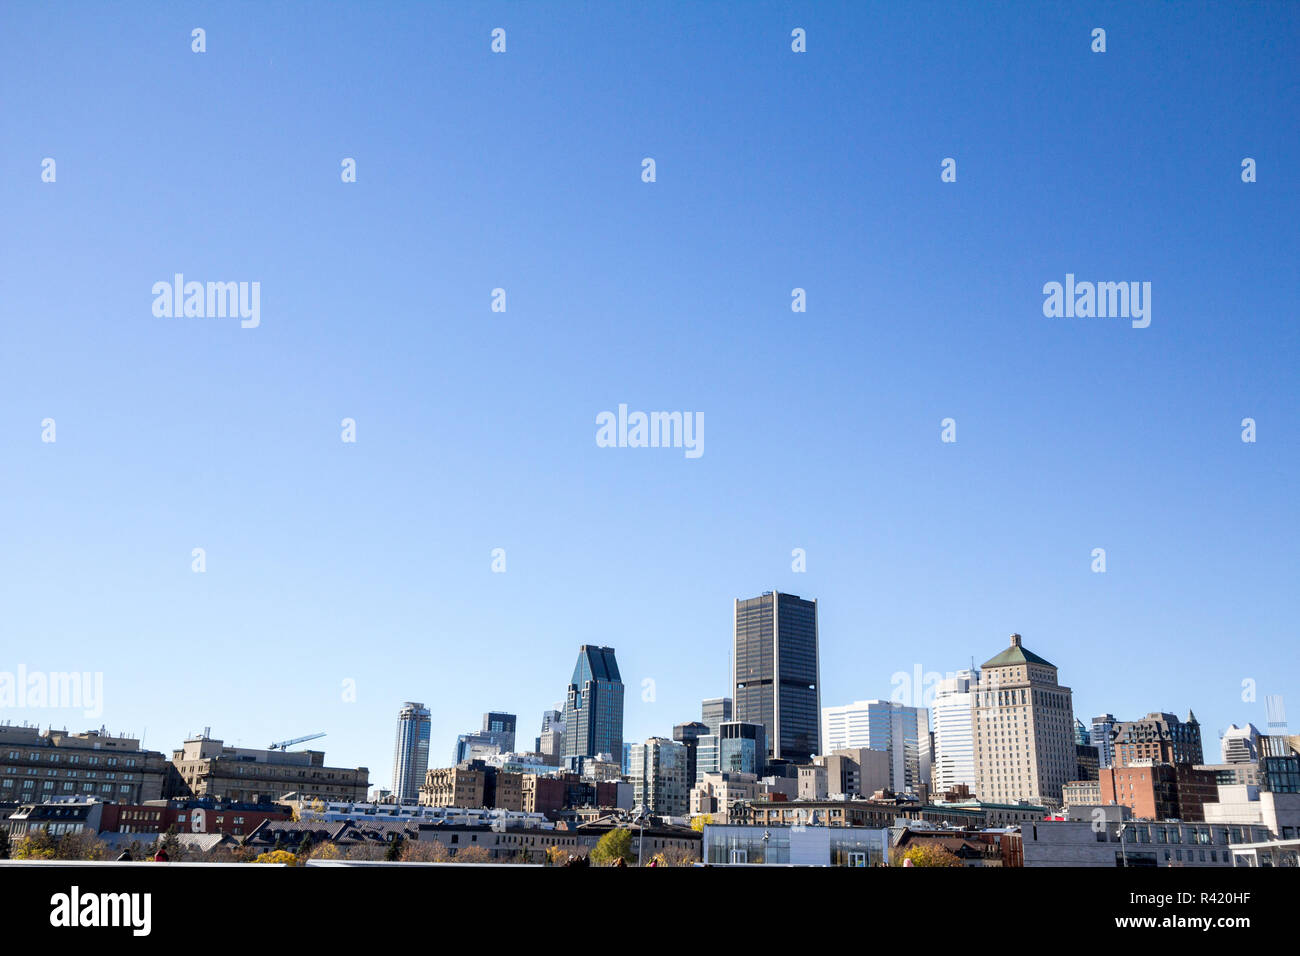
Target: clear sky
[[371, 561]]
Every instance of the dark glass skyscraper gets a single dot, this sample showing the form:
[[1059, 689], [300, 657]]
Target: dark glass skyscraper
[[776, 679], [593, 707]]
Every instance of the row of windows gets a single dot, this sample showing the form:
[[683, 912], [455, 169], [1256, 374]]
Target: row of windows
[[35, 757]]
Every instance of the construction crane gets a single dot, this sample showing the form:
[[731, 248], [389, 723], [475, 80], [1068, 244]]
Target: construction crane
[[286, 744]]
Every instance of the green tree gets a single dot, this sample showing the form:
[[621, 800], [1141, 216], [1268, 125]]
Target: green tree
[[4, 844], [394, 851], [304, 848], [613, 845]]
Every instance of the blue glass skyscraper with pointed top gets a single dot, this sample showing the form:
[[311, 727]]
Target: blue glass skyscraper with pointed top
[[593, 707]]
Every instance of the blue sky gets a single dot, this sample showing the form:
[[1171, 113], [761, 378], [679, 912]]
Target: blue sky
[[371, 561]]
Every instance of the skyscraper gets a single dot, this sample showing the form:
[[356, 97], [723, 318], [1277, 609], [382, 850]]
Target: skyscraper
[[775, 677], [1240, 744], [1023, 728], [551, 740], [411, 754], [657, 771], [714, 711], [954, 758], [688, 735], [1103, 728], [902, 731], [593, 707], [496, 737]]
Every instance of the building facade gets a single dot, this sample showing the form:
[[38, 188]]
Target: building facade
[[206, 767], [411, 752], [1157, 736], [658, 773], [776, 679], [901, 731], [954, 745], [593, 707], [714, 711], [36, 767], [1023, 727]]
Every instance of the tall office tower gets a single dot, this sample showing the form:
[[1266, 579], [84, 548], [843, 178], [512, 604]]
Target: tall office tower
[[954, 756], [1082, 736], [1024, 730], [688, 735], [501, 726], [903, 732], [496, 737], [551, 740], [593, 707], [1240, 744], [1103, 728], [411, 755], [737, 747], [1159, 737], [742, 747], [775, 673], [657, 771], [714, 711]]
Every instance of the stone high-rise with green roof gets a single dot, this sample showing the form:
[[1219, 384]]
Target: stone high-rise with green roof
[[1023, 729]]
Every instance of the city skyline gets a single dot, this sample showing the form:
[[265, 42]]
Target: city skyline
[[476, 431], [905, 691]]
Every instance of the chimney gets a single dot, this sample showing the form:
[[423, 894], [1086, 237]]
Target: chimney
[[1015, 640]]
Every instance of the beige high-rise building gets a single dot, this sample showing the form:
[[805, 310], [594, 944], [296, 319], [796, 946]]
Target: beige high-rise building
[[1023, 730]]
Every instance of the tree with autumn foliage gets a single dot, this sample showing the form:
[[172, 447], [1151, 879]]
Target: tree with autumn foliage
[[926, 854]]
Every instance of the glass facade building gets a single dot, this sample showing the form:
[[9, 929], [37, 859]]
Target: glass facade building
[[904, 732], [799, 846], [593, 707], [776, 679], [411, 754]]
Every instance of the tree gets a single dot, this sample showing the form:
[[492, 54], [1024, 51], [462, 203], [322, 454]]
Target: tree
[[615, 844], [81, 845], [326, 851], [425, 851], [926, 854], [38, 845], [555, 856], [278, 856], [677, 856], [170, 845], [473, 854], [4, 844], [699, 821], [304, 848], [394, 851]]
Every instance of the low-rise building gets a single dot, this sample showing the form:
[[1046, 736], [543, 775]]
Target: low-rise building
[[36, 767], [752, 845], [206, 767], [1279, 812], [1134, 843], [190, 816], [717, 793], [974, 848], [58, 816], [874, 813], [1158, 791]]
